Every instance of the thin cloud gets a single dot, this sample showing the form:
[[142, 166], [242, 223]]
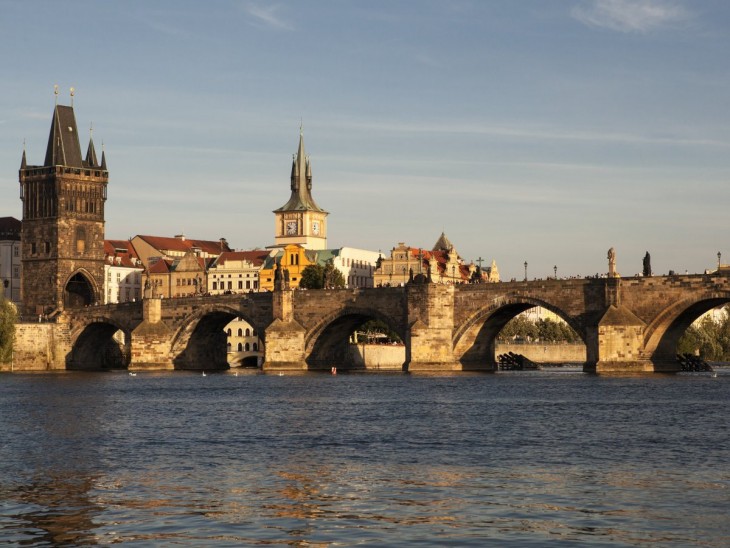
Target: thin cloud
[[267, 15], [534, 134], [630, 15]]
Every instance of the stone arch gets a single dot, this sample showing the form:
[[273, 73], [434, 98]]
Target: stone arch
[[80, 289], [326, 344], [663, 333], [201, 341], [100, 345], [473, 340]]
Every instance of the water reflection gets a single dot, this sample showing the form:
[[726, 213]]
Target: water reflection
[[363, 460], [55, 510]]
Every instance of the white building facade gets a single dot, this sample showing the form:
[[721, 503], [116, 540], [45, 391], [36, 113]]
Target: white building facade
[[357, 265], [122, 272], [10, 265], [236, 272]]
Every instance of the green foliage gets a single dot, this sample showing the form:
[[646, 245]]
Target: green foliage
[[317, 277], [333, 278], [312, 277], [711, 338], [378, 326], [8, 318], [542, 330]]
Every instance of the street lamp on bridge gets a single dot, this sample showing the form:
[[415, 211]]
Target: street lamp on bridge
[[555, 270], [525, 270], [719, 255]]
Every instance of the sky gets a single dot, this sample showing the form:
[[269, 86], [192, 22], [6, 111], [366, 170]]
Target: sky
[[535, 131]]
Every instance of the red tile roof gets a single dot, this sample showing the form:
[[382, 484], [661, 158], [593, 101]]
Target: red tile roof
[[164, 243], [162, 266], [122, 253], [255, 257]]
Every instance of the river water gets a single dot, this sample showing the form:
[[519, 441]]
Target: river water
[[521, 459]]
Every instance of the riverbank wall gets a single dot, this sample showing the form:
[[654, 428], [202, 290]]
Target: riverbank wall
[[545, 352], [39, 347], [377, 357]]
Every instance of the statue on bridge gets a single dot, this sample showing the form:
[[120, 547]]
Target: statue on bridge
[[612, 263], [647, 264]]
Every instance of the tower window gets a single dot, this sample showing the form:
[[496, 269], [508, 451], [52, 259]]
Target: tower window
[[80, 240]]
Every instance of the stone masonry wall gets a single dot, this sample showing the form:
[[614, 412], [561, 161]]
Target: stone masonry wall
[[39, 347]]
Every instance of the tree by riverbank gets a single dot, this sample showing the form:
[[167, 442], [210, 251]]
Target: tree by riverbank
[[709, 337], [520, 328], [8, 318]]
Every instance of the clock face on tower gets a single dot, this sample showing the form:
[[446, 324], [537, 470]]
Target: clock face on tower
[[291, 227], [315, 228]]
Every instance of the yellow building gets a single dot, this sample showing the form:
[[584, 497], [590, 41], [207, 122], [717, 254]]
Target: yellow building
[[293, 259]]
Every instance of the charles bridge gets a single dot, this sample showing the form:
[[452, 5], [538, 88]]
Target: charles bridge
[[627, 324]]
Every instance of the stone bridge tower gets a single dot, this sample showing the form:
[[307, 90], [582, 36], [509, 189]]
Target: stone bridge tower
[[63, 221]]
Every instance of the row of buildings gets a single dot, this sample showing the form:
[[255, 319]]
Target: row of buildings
[[57, 256]]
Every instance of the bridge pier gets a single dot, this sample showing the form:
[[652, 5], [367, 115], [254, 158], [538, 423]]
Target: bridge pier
[[150, 344], [285, 345], [620, 340], [431, 318]]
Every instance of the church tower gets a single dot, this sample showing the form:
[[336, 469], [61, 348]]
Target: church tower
[[62, 238], [301, 221]]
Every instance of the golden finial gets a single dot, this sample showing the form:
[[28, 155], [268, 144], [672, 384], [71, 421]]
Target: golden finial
[[72, 96], [55, 92]]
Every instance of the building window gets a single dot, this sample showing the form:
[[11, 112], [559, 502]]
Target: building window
[[240, 347], [247, 347], [240, 332], [255, 347], [215, 286]]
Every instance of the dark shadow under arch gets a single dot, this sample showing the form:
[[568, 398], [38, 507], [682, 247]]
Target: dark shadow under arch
[[100, 346], [202, 343], [328, 345], [664, 333]]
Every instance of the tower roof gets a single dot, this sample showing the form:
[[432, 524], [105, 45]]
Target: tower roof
[[63, 142], [301, 183], [91, 160], [443, 243]]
